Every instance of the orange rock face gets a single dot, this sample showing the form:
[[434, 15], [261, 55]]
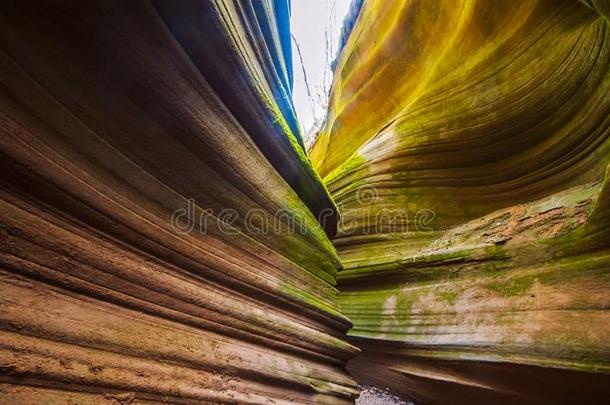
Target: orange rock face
[[164, 237], [466, 147]]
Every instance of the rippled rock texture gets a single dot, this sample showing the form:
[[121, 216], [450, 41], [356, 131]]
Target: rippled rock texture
[[165, 239], [117, 289], [467, 149]]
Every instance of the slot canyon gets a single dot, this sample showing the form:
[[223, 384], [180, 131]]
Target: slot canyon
[[166, 236]]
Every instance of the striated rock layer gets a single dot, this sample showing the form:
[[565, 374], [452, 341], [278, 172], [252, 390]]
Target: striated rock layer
[[144, 148], [164, 237], [467, 147]]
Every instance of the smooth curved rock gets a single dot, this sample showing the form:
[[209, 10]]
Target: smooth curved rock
[[135, 265], [466, 147], [164, 238], [254, 80]]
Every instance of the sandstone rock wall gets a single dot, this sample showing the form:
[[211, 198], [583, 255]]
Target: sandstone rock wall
[[147, 149], [109, 126], [466, 147]]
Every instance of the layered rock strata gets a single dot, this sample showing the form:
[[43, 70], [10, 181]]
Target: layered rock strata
[[142, 258], [467, 149], [164, 237]]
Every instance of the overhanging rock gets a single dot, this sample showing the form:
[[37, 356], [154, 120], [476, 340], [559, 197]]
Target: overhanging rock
[[466, 147], [110, 131]]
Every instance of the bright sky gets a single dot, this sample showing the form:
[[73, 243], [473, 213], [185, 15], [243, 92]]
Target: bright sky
[[316, 28]]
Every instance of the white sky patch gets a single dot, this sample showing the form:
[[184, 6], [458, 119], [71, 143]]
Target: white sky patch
[[316, 29]]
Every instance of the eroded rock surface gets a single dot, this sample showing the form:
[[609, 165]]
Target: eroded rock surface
[[148, 147], [122, 280], [466, 147]]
